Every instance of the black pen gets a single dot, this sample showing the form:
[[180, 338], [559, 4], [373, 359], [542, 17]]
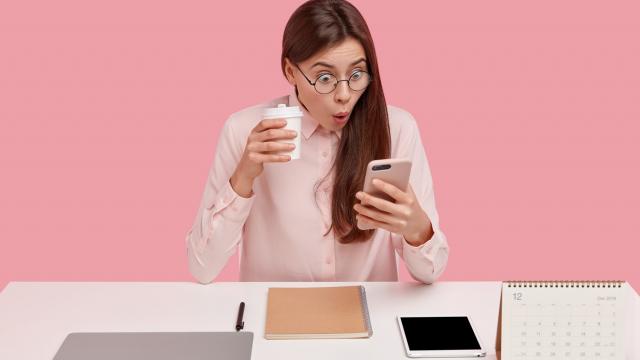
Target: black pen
[[239, 322]]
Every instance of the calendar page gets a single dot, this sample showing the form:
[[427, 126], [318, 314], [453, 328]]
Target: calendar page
[[563, 320]]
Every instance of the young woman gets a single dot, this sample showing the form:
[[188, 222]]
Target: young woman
[[295, 220]]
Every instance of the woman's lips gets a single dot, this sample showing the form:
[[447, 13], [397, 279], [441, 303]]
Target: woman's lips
[[341, 118]]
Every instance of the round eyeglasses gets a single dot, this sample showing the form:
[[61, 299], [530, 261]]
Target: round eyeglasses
[[327, 82]]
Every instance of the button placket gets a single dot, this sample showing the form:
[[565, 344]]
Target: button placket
[[330, 258], [325, 156], [325, 205], [324, 194]]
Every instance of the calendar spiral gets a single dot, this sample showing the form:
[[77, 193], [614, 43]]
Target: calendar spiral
[[564, 283]]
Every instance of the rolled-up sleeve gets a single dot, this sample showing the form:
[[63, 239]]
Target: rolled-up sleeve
[[427, 261], [217, 229]]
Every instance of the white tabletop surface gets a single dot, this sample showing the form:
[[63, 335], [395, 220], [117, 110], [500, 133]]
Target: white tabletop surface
[[35, 317]]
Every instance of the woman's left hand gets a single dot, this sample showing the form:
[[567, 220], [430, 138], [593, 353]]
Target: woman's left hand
[[404, 217]]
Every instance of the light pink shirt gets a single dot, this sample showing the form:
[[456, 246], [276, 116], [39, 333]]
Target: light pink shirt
[[279, 230]]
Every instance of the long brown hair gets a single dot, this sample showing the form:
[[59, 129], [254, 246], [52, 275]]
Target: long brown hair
[[317, 25]]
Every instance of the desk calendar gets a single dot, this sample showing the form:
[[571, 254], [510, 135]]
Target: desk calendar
[[563, 320]]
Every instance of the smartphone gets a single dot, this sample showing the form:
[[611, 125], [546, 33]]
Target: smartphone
[[440, 336], [392, 171]]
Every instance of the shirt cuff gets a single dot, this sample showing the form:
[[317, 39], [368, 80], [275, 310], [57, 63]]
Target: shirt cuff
[[422, 248], [231, 205], [425, 262]]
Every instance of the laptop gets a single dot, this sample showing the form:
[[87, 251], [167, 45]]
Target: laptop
[[157, 346]]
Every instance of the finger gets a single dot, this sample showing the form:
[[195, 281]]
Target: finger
[[274, 134], [391, 190], [377, 215], [268, 158], [373, 223], [270, 146], [268, 124], [380, 204]]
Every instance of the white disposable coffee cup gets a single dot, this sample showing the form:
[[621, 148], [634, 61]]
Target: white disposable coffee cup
[[293, 116]]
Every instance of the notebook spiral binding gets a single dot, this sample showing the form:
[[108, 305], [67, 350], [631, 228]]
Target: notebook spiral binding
[[565, 283], [365, 309]]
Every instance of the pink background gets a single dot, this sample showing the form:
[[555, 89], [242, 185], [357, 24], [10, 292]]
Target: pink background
[[110, 113]]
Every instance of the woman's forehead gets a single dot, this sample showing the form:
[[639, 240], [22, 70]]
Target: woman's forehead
[[347, 53]]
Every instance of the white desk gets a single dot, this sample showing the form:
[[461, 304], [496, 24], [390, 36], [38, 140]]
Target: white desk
[[35, 317]]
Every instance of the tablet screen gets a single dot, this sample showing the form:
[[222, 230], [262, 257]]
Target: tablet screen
[[439, 333]]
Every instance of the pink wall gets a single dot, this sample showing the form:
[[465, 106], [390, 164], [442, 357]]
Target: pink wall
[[110, 114]]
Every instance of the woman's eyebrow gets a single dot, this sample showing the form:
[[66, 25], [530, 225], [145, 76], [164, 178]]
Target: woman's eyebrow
[[333, 67]]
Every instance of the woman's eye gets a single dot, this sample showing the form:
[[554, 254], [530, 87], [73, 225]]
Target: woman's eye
[[324, 78], [356, 75]]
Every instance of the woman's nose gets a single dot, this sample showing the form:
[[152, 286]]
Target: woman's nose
[[343, 92]]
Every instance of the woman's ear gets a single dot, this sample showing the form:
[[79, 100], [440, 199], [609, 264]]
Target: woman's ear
[[288, 70]]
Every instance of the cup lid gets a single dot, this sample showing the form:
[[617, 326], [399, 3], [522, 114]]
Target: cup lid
[[282, 111]]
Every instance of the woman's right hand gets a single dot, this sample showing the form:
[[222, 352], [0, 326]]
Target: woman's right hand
[[261, 148]]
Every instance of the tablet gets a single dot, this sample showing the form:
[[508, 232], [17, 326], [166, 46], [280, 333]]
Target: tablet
[[440, 336]]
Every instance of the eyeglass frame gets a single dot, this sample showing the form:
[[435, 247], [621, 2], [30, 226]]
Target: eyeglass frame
[[337, 81]]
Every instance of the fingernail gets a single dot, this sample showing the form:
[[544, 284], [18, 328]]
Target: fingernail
[[358, 195]]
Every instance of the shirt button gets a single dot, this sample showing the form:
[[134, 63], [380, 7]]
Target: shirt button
[[328, 261], [324, 154]]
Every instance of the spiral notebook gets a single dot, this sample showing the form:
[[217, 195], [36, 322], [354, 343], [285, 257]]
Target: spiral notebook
[[562, 320], [317, 313]]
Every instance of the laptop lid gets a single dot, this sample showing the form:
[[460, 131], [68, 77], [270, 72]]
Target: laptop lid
[[157, 346]]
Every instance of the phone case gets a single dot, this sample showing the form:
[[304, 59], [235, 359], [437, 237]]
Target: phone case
[[397, 174]]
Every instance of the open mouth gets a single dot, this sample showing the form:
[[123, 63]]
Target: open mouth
[[341, 117]]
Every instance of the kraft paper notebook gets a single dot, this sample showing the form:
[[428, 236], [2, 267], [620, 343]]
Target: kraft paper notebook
[[317, 313]]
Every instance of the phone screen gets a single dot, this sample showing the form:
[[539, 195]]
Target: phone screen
[[439, 333]]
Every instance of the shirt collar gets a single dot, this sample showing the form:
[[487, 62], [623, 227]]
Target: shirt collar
[[309, 124]]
